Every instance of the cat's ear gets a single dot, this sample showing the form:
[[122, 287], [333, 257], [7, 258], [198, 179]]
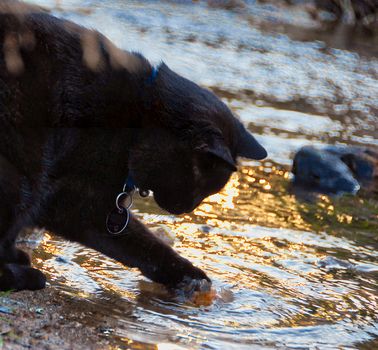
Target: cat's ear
[[218, 150], [248, 146]]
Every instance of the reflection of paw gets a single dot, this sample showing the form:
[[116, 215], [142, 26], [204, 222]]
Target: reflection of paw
[[19, 277]]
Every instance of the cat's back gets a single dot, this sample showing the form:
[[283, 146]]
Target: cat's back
[[35, 50], [31, 59], [56, 74]]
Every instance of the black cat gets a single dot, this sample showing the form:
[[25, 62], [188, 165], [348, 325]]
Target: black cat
[[79, 116]]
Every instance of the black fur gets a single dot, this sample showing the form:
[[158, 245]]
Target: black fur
[[77, 116]]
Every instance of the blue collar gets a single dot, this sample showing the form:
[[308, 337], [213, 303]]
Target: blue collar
[[151, 79], [129, 185]]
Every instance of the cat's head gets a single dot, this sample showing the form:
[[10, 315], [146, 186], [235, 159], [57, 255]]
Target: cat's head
[[189, 144]]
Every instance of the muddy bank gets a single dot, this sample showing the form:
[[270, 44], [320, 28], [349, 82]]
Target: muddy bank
[[48, 319]]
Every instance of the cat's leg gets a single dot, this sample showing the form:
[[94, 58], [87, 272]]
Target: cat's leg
[[140, 248], [26, 201], [15, 270], [20, 277], [9, 200], [9, 184]]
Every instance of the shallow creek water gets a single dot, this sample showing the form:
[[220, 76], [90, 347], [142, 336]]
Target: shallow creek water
[[288, 273]]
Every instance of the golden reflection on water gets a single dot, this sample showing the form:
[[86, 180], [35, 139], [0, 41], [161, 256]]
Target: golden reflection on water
[[255, 196], [260, 244], [262, 196]]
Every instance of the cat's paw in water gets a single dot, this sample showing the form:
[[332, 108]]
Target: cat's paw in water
[[196, 291]]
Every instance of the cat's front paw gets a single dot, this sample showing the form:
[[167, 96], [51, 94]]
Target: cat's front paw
[[196, 291], [188, 285], [189, 273], [193, 279]]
